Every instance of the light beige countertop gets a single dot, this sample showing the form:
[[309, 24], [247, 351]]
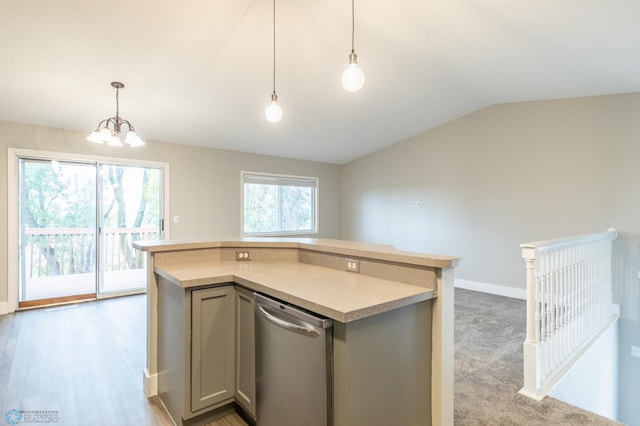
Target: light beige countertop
[[342, 296], [316, 281]]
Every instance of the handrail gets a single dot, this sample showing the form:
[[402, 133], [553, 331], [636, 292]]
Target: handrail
[[60, 251], [106, 230], [569, 303], [560, 243]]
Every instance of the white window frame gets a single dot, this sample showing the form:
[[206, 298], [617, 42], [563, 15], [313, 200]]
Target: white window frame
[[282, 180]]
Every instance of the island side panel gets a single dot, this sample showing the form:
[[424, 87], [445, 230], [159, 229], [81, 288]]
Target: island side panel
[[150, 373], [382, 369], [173, 348], [443, 354]]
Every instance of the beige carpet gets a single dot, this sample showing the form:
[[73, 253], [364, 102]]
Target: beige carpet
[[489, 331]]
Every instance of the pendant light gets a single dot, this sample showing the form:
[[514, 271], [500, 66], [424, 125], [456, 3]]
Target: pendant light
[[273, 112], [109, 130], [353, 77]]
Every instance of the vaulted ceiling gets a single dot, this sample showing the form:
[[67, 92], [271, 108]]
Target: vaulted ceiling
[[199, 72]]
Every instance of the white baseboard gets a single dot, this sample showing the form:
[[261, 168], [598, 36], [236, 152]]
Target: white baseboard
[[499, 290], [4, 308], [150, 383]]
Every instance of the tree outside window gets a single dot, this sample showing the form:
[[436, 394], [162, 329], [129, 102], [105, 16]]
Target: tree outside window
[[279, 205]]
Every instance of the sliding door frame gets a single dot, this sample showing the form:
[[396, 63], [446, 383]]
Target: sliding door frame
[[13, 225]]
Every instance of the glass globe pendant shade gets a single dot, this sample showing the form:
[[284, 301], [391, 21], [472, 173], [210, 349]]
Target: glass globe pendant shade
[[353, 77], [273, 112]]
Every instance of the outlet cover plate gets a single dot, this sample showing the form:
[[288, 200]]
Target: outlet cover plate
[[243, 255], [352, 265]]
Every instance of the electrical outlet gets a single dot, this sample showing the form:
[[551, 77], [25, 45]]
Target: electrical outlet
[[635, 351], [243, 255], [352, 265]]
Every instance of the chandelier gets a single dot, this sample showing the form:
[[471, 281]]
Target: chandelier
[[109, 130]]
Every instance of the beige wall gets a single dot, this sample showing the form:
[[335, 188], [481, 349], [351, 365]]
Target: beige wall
[[499, 177], [204, 183]]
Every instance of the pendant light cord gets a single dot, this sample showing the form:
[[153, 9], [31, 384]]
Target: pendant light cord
[[353, 24], [274, 46]]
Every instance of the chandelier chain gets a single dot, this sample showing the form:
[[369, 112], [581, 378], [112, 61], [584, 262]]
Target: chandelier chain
[[117, 103]]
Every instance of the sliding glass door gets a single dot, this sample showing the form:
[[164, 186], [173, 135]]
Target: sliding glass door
[[78, 221], [129, 211], [57, 231]]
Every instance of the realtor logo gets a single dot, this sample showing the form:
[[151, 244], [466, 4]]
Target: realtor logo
[[13, 417]]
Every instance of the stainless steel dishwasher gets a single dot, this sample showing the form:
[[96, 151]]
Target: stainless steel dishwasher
[[294, 354]]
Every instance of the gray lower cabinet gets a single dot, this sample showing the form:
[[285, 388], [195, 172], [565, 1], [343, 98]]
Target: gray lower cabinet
[[245, 374], [206, 355], [212, 346], [206, 359]]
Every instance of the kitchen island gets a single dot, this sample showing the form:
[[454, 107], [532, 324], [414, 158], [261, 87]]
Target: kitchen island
[[392, 313]]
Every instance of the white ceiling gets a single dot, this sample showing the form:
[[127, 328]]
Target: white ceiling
[[199, 72]]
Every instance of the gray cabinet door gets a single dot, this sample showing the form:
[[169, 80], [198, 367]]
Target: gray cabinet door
[[245, 350], [212, 346]]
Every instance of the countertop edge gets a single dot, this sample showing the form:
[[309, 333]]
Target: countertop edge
[[326, 311], [342, 247]]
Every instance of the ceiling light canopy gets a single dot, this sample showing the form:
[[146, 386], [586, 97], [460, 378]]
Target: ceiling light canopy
[[109, 130], [353, 77]]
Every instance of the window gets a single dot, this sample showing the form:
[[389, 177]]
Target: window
[[278, 204]]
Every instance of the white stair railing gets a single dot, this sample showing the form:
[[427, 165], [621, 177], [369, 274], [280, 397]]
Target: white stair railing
[[569, 304]]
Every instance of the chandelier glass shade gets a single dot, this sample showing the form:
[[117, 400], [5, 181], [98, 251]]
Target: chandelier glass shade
[[109, 130]]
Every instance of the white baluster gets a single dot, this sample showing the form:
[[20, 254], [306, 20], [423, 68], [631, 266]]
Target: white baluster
[[569, 299]]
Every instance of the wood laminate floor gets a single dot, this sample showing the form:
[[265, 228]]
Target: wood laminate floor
[[230, 420], [82, 363]]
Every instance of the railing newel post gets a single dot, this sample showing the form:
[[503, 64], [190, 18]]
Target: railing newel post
[[530, 259]]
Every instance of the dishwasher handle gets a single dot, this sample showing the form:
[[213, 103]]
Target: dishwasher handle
[[308, 331]]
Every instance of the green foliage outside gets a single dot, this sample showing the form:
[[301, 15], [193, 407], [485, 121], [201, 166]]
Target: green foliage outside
[[51, 199], [278, 208], [63, 195]]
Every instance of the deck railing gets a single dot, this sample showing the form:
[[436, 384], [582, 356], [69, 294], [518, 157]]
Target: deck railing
[[569, 304], [62, 251]]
